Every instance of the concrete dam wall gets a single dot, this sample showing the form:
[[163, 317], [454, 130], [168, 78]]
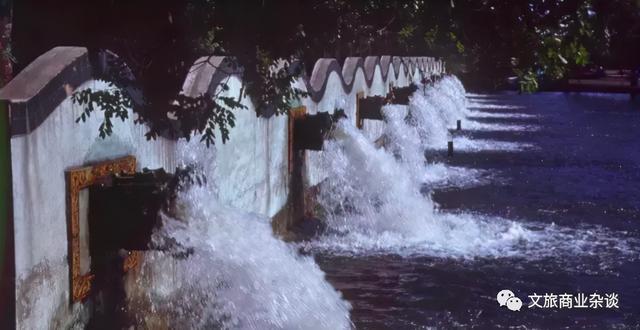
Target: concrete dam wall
[[54, 159]]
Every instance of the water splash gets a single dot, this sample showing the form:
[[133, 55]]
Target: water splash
[[507, 115], [223, 268], [476, 145], [479, 105], [372, 201], [434, 110]]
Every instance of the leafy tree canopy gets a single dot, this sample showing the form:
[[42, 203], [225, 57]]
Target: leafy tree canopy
[[158, 41]]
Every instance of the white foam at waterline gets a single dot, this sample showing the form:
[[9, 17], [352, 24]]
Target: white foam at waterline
[[434, 110], [403, 139], [478, 126], [480, 96], [372, 205], [482, 114], [466, 144], [474, 105], [438, 175], [460, 236], [472, 236]]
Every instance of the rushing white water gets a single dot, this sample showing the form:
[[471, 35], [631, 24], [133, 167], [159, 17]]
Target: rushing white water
[[508, 115], [479, 105], [446, 104], [373, 203], [407, 141], [372, 200], [478, 126], [466, 144], [223, 268]]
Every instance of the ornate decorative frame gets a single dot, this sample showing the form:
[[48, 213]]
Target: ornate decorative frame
[[78, 179]]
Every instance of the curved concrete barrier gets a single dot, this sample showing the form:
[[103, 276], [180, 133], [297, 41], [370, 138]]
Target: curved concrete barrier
[[251, 170]]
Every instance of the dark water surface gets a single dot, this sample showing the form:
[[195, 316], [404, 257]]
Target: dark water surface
[[582, 172]]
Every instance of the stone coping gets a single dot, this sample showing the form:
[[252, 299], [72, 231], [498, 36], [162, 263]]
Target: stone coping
[[39, 88]]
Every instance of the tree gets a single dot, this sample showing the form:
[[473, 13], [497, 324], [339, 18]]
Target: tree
[[275, 41]]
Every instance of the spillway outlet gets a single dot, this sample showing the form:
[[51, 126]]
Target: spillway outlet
[[401, 95], [371, 107], [310, 131]]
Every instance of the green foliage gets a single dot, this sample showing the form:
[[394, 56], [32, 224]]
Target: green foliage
[[274, 41], [430, 37], [112, 102], [406, 34], [203, 114], [192, 115], [527, 81], [550, 58], [458, 45], [271, 87]]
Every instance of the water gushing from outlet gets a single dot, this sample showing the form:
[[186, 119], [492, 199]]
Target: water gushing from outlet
[[223, 268], [373, 203]]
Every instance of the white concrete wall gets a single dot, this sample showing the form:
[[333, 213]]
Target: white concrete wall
[[39, 160], [373, 128], [335, 96], [250, 172], [251, 169]]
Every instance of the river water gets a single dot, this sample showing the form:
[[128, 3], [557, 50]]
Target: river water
[[542, 196]]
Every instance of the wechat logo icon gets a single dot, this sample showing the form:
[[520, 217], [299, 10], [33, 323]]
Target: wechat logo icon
[[508, 299]]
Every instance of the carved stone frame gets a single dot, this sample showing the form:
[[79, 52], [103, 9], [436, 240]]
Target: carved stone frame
[[78, 179]]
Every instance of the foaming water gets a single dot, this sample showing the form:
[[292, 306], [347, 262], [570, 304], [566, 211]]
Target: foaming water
[[404, 140], [434, 110], [475, 105], [479, 96], [478, 126], [438, 175], [223, 268], [509, 115], [373, 204], [425, 265], [466, 144]]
